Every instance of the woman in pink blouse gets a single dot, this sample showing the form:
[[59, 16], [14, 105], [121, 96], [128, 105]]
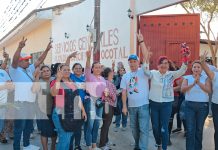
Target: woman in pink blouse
[[109, 98], [95, 86]]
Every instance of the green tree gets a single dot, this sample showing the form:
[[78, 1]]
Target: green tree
[[208, 10]]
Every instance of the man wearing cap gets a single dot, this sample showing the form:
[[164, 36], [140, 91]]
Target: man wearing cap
[[135, 87], [21, 72]]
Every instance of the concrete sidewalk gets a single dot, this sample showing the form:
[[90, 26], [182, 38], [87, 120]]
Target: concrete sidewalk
[[122, 140]]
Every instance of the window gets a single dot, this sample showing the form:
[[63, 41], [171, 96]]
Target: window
[[35, 56]]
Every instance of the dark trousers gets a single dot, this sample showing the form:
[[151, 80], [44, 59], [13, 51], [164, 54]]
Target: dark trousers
[[215, 122], [107, 119], [25, 127], [160, 115], [175, 110], [195, 114]]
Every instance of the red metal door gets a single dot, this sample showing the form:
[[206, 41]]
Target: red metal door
[[164, 34]]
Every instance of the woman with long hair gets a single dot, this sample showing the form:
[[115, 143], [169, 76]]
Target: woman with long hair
[[196, 88]]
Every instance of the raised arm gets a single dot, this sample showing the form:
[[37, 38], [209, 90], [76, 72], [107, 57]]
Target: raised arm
[[16, 56], [205, 67], [43, 56], [36, 84], [144, 49], [55, 88], [180, 72], [73, 55]]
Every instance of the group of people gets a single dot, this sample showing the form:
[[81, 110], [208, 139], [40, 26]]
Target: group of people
[[63, 101]]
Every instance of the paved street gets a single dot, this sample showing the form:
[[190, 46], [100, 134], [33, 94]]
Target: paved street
[[122, 140]]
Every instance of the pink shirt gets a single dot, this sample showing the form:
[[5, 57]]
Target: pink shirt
[[111, 98], [94, 85]]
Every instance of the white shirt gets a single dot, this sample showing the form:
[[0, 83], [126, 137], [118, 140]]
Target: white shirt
[[162, 84], [4, 77], [215, 88], [196, 94], [23, 83], [136, 84]]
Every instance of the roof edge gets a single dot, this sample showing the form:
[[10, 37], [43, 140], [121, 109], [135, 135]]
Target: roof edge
[[38, 10]]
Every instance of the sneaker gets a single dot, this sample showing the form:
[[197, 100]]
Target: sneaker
[[31, 147], [116, 129], [105, 148], [3, 138], [123, 128], [109, 144], [177, 130]]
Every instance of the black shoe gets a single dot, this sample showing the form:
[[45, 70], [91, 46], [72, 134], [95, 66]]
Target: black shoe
[[137, 149], [177, 130], [4, 141], [77, 148]]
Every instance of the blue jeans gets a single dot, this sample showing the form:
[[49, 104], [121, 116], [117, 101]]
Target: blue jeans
[[118, 117], [196, 114], [215, 122], [25, 127], [2, 118], [64, 137], [139, 122], [2, 122], [160, 116], [91, 126]]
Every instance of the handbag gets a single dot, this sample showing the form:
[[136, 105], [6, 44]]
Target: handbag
[[71, 120], [99, 103]]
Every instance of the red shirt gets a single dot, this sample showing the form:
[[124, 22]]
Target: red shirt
[[176, 93]]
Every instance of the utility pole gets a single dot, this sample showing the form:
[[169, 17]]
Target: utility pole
[[96, 56]]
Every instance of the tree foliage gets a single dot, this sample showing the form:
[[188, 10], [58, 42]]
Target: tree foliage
[[208, 10]]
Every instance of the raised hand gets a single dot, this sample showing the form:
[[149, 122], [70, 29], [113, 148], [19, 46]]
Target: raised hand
[[73, 55], [140, 37], [59, 75], [203, 57], [49, 46], [113, 64], [22, 43], [5, 55], [89, 53]]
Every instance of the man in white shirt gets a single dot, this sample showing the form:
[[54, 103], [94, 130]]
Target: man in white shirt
[[135, 88], [21, 73]]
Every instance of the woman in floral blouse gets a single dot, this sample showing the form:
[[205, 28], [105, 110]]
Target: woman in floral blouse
[[109, 98]]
